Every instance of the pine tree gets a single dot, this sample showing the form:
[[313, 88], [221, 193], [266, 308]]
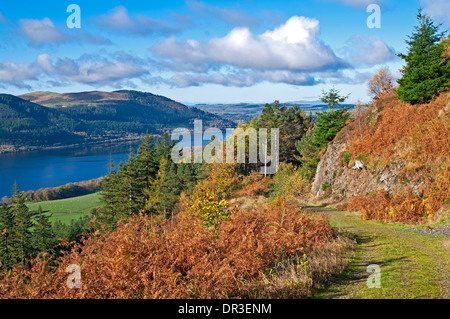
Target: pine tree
[[7, 256], [328, 124], [308, 158], [155, 194], [43, 235], [171, 188], [21, 234], [291, 122], [110, 196], [332, 98], [426, 72]]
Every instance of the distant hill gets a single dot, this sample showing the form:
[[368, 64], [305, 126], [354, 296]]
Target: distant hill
[[53, 119], [244, 112]]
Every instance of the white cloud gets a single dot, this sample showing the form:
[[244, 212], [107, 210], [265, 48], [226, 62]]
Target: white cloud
[[40, 32], [363, 51], [439, 10], [94, 70], [118, 20], [292, 46], [97, 70], [44, 62], [240, 79], [18, 74]]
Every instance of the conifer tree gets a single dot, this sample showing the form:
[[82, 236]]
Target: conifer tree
[[21, 234], [291, 122], [332, 98], [7, 256], [110, 196], [427, 72], [328, 124], [171, 188], [155, 194], [43, 235]]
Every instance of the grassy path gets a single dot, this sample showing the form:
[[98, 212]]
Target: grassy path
[[412, 265]]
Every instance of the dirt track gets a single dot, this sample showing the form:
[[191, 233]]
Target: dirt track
[[412, 264]]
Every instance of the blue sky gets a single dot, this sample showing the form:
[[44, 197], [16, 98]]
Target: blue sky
[[206, 51]]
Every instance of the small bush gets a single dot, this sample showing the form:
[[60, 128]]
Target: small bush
[[346, 158], [290, 183]]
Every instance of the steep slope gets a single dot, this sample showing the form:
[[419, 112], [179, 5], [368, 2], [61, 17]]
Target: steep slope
[[396, 164], [23, 122]]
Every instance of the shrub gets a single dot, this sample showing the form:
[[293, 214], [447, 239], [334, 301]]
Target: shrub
[[209, 201], [289, 183], [419, 137], [145, 258], [346, 158], [254, 184]]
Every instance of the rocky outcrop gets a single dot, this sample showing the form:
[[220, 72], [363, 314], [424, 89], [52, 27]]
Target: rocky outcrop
[[343, 181], [394, 160]]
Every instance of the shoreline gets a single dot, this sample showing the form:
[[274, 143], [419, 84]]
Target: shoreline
[[12, 149]]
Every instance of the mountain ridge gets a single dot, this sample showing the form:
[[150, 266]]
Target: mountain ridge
[[44, 119]]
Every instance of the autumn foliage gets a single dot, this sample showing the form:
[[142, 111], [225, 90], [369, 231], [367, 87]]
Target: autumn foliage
[[148, 258], [418, 136], [381, 84]]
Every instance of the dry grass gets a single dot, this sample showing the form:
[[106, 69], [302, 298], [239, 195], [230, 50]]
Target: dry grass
[[420, 136], [149, 258], [253, 185], [298, 276], [446, 245]]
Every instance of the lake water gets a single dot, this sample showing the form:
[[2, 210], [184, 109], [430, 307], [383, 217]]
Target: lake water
[[52, 168]]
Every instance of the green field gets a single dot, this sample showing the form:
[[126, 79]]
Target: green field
[[68, 209]]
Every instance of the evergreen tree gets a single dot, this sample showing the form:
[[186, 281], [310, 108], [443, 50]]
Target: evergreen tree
[[155, 194], [426, 72], [43, 235], [7, 255], [110, 196], [308, 158], [171, 188], [291, 122], [328, 124], [135, 186], [21, 234], [332, 98]]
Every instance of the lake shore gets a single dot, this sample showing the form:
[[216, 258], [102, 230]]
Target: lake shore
[[13, 149]]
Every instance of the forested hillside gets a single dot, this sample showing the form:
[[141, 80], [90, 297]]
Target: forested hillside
[[48, 119]]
